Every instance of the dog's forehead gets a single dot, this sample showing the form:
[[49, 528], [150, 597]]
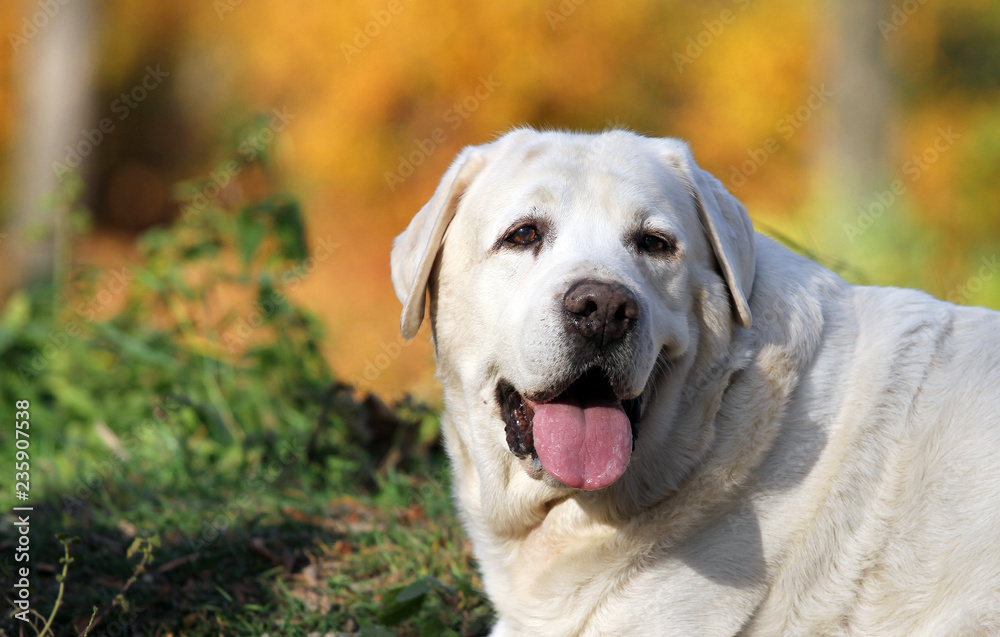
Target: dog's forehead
[[579, 160], [618, 173]]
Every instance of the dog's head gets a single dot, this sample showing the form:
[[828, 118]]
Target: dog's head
[[564, 273]]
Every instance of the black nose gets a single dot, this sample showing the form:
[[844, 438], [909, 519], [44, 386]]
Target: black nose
[[600, 311]]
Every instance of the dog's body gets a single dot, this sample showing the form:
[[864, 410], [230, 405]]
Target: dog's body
[[812, 458]]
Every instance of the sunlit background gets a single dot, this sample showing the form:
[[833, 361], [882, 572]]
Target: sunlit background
[[864, 134], [197, 205]]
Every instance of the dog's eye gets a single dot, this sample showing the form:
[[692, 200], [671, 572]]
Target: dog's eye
[[525, 235], [656, 245]]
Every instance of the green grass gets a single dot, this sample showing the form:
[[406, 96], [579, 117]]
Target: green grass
[[289, 563], [266, 498]]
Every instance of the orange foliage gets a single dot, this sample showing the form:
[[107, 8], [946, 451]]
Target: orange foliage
[[368, 82]]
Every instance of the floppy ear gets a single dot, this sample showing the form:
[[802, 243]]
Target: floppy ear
[[414, 251], [726, 224]]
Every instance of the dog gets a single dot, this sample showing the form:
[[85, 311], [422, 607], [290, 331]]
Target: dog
[[662, 423]]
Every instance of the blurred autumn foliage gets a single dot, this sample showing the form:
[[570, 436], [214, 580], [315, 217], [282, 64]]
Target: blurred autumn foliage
[[375, 97]]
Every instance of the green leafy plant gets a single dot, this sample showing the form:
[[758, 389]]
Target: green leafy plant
[[182, 403]]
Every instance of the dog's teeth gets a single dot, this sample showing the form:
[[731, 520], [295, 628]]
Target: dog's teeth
[[518, 430]]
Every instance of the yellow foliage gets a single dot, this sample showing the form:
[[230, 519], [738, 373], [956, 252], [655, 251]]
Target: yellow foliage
[[378, 88]]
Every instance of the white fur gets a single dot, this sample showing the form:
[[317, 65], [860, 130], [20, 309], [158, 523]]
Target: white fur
[[831, 469]]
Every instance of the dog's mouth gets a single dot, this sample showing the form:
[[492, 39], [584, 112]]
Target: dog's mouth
[[583, 435]]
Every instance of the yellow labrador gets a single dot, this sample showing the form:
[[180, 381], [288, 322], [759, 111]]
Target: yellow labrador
[[662, 423]]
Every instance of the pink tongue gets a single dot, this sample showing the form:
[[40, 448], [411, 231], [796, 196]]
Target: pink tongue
[[582, 446]]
